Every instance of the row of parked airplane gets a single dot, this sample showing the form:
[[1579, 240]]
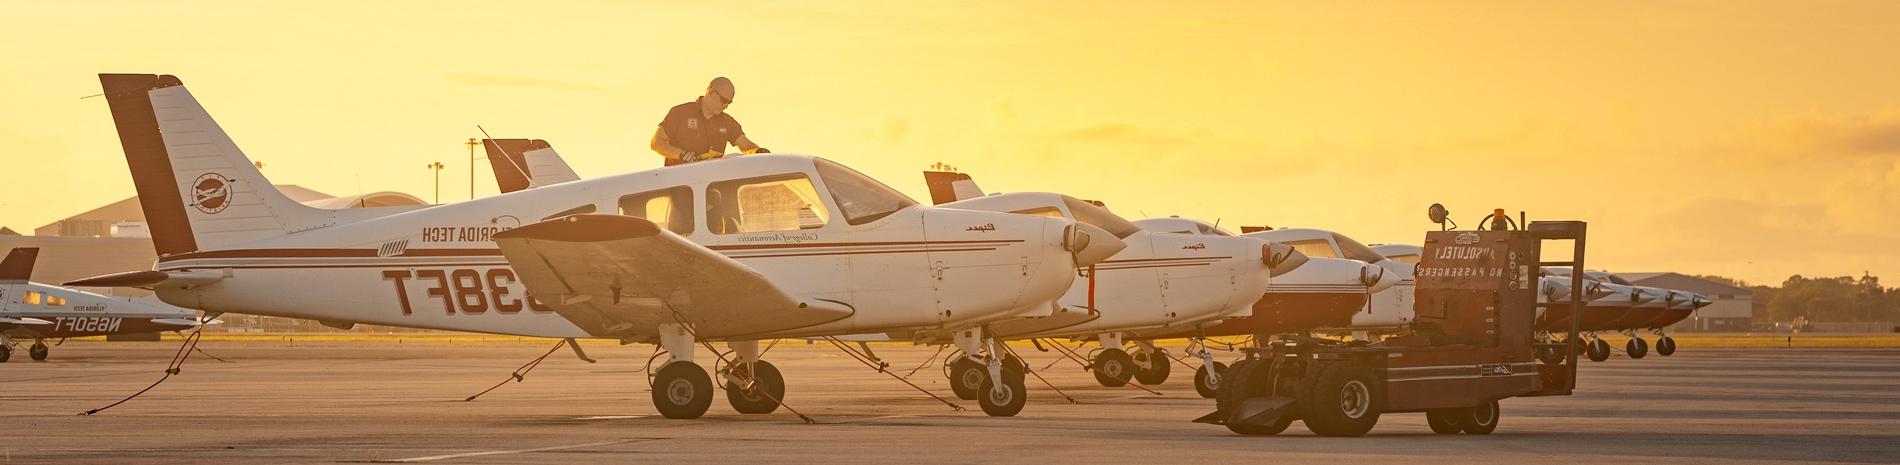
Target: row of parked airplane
[[736, 251]]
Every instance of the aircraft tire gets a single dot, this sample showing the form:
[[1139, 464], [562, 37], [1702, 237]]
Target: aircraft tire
[[1008, 403], [1447, 420], [38, 351], [1157, 370], [1666, 346], [1113, 367], [1599, 350], [5, 353], [1205, 382], [1636, 347], [1340, 399], [682, 391], [966, 377], [754, 402], [1550, 356], [1482, 419]]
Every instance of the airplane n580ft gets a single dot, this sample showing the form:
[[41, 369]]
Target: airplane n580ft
[[732, 250]]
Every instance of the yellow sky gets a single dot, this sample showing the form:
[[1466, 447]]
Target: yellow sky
[[1749, 139]]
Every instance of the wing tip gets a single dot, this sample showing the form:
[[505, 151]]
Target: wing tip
[[591, 227]]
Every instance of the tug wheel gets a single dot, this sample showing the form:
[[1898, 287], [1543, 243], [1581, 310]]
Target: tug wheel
[[1666, 346], [1482, 419], [1599, 350], [1636, 347], [1247, 379], [681, 390], [1113, 367], [1341, 400], [1157, 370], [1004, 402], [1207, 381], [38, 351], [765, 380]]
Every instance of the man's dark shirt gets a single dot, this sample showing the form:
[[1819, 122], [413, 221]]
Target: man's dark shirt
[[689, 130]]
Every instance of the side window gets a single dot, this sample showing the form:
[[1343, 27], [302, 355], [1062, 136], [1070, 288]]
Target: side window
[[773, 203], [55, 301], [30, 298], [671, 207], [1051, 212], [589, 208], [1314, 248]]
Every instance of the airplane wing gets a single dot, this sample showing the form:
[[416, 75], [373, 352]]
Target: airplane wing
[[620, 276]]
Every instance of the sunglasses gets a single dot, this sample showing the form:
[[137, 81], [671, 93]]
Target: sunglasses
[[722, 99]]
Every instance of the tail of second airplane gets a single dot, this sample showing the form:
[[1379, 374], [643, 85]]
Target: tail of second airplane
[[199, 192], [16, 271], [526, 163], [946, 187]]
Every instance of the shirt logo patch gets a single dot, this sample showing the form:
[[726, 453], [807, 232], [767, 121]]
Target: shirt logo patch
[[692, 123], [722, 130]]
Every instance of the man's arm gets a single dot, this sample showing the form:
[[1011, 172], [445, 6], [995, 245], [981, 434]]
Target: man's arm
[[664, 146], [745, 144]]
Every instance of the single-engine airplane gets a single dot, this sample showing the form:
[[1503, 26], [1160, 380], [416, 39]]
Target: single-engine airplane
[[42, 311]]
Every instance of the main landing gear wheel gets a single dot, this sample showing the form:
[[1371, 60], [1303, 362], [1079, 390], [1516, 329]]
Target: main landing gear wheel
[[5, 353], [767, 384], [1157, 370], [1248, 379], [1636, 347], [1599, 350], [1550, 355], [39, 351], [1207, 381], [1113, 368], [966, 375], [1006, 401], [681, 390], [1341, 401], [1666, 346]]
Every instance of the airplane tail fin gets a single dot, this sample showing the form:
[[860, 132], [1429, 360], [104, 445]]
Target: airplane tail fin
[[18, 266], [946, 187], [199, 192], [526, 163]]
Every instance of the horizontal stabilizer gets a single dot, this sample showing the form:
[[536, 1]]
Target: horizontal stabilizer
[[23, 321], [149, 279]]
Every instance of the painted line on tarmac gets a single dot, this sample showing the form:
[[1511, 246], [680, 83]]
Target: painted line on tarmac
[[505, 452], [886, 417], [613, 417]]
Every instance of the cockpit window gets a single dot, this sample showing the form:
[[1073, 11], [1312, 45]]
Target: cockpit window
[[860, 198], [1095, 215], [1357, 251], [1211, 230], [1317, 248], [1050, 212], [1407, 258]]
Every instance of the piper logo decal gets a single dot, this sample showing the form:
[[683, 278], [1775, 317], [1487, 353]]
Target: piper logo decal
[[1196, 246], [211, 193], [982, 228]]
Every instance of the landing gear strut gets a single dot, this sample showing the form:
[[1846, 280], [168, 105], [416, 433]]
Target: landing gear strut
[[1004, 399], [1151, 363], [1665, 346], [1636, 347], [1206, 378]]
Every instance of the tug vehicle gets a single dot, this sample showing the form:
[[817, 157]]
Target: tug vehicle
[[1472, 344]]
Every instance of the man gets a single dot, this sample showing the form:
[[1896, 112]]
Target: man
[[700, 129]]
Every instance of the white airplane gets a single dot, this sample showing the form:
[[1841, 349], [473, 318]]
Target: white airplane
[[1160, 282], [734, 250], [1390, 308], [41, 311], [1403, 253], [1321, 293]]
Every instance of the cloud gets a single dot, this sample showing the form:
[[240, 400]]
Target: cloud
[[527, 82], [1120, 133], [1874, 134]]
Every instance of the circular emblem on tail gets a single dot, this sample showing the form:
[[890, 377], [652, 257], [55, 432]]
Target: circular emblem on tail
[[211, 193]]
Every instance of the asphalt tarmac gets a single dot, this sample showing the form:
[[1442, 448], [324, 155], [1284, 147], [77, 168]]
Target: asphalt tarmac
[[379, 402]]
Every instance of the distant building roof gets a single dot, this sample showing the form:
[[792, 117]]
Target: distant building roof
[[6, 231], [1679, 281]]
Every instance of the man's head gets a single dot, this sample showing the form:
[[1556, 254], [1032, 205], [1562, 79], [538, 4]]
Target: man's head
[[718, 95]]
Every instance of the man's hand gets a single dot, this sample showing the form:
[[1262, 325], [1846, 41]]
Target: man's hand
[[711, 155], [690, 157]]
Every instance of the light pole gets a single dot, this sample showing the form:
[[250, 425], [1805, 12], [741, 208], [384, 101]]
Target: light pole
[[437, 168], [471, 167]]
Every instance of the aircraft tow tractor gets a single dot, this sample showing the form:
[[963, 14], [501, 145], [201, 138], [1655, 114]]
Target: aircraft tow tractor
[[1473, 343]]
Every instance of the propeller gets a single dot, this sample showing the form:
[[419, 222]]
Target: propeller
[[1091, 245], [1282, 258]]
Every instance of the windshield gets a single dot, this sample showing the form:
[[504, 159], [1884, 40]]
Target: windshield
[[1356, 251], [860, 198], [1097, 216], [1211, 230]]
